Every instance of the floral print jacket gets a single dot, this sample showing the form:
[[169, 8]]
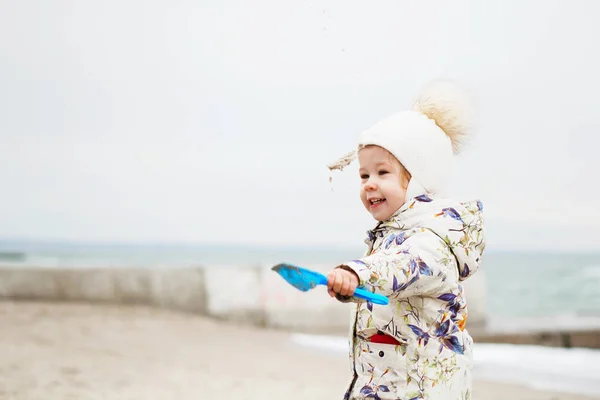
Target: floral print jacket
[[417, 259]]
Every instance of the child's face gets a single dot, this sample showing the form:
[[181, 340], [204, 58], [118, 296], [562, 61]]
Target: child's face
[[383, 182]]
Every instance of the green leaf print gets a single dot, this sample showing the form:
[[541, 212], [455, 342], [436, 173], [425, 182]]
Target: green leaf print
[[414, 395]]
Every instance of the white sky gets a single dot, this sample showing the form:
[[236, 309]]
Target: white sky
[[212, 121]]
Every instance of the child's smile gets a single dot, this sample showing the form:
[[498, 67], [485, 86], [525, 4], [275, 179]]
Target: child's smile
[[375, 202]]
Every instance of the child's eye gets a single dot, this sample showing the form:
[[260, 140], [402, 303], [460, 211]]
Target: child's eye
[[383, 172], [364, 176]]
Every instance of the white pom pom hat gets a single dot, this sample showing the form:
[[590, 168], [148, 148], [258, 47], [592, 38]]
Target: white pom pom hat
[[424, 139]]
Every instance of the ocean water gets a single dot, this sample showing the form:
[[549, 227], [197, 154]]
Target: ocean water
[[550, 286], [543, 284]]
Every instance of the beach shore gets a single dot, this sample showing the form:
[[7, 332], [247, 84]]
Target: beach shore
[[52, 351]]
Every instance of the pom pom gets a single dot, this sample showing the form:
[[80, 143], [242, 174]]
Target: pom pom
[[448, 105]]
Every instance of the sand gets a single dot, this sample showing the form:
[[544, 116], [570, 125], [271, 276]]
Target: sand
[[62, 351]]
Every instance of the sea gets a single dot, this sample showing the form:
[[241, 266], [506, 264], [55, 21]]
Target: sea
[[556, 287]]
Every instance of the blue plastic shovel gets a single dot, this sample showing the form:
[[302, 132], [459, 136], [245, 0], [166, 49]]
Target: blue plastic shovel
[[305, 280]]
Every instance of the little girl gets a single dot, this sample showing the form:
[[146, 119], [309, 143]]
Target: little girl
[[423, 246]]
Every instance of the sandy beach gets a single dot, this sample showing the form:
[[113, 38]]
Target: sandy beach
[[86, 352]]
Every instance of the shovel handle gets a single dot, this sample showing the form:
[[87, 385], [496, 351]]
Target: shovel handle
[[372, 297]]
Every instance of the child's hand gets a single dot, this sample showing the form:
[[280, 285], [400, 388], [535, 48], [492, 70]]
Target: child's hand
[[341, 281]]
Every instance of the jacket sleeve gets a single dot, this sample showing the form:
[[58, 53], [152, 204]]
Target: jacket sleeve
[[421, 265]]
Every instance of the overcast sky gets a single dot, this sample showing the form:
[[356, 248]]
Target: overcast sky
[[213, 121]]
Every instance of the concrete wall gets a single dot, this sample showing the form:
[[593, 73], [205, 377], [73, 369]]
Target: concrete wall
[[261, 297], [255, 296], [181, 289], [557, 338], [249, 295], [313, 311], [475, 293]]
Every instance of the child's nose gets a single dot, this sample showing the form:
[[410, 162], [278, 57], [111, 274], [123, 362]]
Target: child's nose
[[370, 185]]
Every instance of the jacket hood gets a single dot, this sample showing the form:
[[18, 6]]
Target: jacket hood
[[459, 224]]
